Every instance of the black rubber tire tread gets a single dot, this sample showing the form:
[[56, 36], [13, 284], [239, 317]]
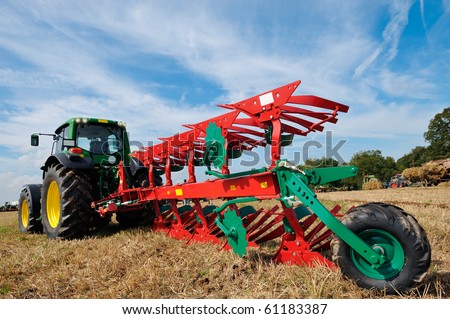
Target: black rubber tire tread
[[422, 238], [399, 224], [75, 189], [140, 179], [32, 194], [146, 215]]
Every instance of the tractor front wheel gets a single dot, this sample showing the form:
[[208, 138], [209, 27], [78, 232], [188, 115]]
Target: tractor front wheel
[[397, 236], [66, 198], [29, 211]]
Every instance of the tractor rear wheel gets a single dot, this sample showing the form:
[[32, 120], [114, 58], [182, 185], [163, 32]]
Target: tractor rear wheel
[[393, 233], [29, 211], [66, 198]]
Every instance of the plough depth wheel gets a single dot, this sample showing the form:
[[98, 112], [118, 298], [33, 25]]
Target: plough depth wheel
[[396, 236]]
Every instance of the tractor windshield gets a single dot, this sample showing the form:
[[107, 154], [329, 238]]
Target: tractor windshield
[[99, 139]]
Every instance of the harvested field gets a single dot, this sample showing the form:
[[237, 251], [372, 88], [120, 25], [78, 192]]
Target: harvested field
[[426, 196], [138, 263]]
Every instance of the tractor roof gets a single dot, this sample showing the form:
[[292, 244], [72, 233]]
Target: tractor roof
[[85, 120]]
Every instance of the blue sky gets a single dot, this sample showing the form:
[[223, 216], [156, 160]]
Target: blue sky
[[159, 64]]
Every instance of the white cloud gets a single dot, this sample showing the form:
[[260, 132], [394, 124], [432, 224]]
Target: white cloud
[[404, 85], [422, 14], [40, 80], [363, 66], [14, 184], [398, 11]]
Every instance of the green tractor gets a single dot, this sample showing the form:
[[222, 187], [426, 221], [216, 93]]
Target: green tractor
[[82, 168]]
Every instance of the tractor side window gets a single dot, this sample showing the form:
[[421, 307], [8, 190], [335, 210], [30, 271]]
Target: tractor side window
[[83, 142], [59, 139]]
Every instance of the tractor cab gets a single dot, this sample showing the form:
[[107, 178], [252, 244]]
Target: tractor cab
[[90, 142]]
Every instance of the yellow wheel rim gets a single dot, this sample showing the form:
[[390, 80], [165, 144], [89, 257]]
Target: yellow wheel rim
[[53, 205], [25, 213]]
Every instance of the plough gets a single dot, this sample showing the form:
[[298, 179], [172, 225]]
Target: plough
[[303, 223], [92, 176]]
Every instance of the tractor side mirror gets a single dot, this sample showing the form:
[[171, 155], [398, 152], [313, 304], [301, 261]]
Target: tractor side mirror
[[34, 139]]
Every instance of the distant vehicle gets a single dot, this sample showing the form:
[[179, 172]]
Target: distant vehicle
[[398, 181], [10, 206]]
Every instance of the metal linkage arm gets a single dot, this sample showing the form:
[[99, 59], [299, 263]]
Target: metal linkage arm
[[294, 183]]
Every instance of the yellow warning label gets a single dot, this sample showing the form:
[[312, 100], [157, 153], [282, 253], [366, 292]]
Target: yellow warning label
[[103, 121], [179, 192], [264, 185], [232, 187]]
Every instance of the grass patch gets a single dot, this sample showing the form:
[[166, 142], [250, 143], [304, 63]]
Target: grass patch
[[5, 230], [4, 290]]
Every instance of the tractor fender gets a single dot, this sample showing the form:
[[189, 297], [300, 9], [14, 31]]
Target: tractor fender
[[67, 161]]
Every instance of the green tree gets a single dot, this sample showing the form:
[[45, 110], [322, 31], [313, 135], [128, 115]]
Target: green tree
[[321, 162], [371, 162], [418, 156], [389, 169], [438, 134]]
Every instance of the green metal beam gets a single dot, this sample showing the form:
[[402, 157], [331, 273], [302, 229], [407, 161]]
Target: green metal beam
[[294, 182], [325, 175]]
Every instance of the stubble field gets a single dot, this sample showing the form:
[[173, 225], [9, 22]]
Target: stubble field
[[138, 263]]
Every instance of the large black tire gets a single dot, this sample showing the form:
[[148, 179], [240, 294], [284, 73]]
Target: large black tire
[[29, 211], [66, 202], [394, 233], [140, 178]]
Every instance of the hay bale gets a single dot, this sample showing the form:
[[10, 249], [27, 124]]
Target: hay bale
[[372, 184], [433, 172], [429, 173], [414, 174]]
